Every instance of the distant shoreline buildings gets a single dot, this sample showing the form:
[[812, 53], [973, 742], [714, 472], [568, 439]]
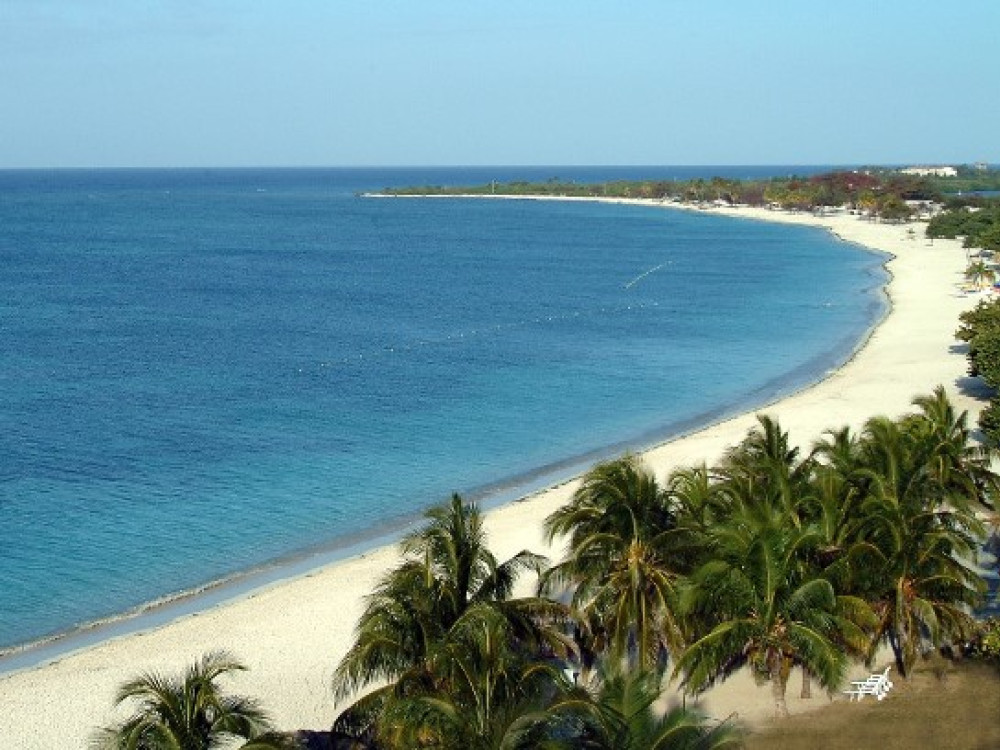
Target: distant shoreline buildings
[[922, 171]]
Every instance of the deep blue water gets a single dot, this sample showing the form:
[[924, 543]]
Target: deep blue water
[[206, 370]]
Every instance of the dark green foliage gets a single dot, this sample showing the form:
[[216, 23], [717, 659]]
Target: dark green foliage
[[982, 317], [465, 663], [448, 569], [980, 227], [882, 192], [969, 178], [985, 644], [624, 561], [873, 531], [980, 328], [989, 423], [915, 531], [892, 208], [625, 717], [984, 356], [772, 559], [190, 713], [477, 688], [989, 238]]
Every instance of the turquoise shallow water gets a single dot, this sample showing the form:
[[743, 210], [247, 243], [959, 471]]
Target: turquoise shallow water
[[204, 371]]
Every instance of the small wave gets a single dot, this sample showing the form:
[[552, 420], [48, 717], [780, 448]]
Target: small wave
[[134, 613]]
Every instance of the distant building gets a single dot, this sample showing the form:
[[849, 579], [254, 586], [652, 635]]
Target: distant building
[[931, 171]]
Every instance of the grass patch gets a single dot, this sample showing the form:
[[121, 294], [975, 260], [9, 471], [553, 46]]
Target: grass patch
[[942, 705]]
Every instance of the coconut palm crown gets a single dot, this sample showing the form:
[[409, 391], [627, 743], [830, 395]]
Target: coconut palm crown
[[189, 712], [624, 560], [447, 569]]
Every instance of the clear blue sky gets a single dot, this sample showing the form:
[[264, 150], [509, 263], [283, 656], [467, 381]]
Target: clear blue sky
[[561, 82]]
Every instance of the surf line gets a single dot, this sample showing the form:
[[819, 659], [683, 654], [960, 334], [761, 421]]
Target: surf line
[[643, 275]]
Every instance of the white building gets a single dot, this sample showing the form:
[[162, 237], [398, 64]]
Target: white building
[[929, 171]]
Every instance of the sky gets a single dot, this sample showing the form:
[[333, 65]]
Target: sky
[[193, 83]]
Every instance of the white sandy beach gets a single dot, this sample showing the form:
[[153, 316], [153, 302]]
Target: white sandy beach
[[291, 634]]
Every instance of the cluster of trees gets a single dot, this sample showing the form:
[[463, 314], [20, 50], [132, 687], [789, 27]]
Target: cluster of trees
[[971, 178], [878, 192], [859, 190], [770, 560], [980, 329], [460, 663], [979, 226]]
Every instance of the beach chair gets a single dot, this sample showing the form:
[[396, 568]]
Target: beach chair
[[877, 685]]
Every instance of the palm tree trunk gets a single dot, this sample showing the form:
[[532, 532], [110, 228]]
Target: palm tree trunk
[[806, 684], [897, 652], [779, 684]]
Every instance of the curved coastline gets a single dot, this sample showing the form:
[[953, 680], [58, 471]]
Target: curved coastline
[[505, 489], [658, 427], [291, 631]]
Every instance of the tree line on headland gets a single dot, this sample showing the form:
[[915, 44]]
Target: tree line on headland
[[888, 194]]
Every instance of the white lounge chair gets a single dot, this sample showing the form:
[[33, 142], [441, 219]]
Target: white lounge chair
[[877, 685]]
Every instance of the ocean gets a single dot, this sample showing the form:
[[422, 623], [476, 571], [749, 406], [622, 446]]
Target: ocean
[[209, 372]]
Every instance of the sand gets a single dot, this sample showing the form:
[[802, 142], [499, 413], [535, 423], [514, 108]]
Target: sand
[[292, 633]]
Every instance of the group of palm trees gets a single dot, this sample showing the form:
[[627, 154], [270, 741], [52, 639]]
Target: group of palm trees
[[769, 560]]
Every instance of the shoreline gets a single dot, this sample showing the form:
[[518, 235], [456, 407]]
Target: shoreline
[[174, 604], [291, 632]]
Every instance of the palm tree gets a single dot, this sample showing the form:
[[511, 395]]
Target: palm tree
[[916, 536], [624, 560], [696, 500], [978, 272], [447, 569], [480, 693], [764, 476], [768, 611], [961, 467], [478, 688], [625, 703], [894, 506], [189, 713], [767, 484]]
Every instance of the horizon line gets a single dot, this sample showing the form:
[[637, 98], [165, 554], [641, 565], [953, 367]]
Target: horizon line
[[52, 168]]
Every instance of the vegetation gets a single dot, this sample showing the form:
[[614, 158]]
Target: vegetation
[[629, 721], [887, 194], [189, 713], [460, 662], [980, 226], [448, 571], [768, 560], [625, 560], [980, 329], [985, 644]]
